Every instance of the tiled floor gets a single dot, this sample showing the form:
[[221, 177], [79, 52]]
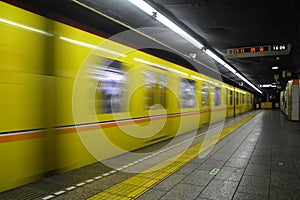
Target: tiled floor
[[261, 160]]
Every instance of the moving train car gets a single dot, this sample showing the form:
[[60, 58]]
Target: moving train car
[[67, 101]]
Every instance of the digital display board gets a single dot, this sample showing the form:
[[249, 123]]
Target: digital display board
[[251, 49], [281, 47], [256, 51]]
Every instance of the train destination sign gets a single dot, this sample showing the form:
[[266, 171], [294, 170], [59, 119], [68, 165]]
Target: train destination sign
[[256, 51]]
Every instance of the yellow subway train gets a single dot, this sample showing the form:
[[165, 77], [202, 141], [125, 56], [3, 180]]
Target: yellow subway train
[[70, 98]]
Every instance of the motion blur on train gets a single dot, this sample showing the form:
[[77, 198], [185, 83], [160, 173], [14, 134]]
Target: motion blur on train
[[58, 89]]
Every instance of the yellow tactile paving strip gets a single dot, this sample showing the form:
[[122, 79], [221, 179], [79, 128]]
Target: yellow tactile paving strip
[[140, 183]]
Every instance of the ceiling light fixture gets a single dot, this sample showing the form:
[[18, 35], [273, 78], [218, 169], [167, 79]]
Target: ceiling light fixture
[[219, 60], [165, 21], [227, 66], [248, 82], [267, 86], [275, 67], [168, 23]]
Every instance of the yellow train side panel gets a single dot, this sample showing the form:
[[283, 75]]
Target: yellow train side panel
[[22, 162], [23, 105], [39, 72]]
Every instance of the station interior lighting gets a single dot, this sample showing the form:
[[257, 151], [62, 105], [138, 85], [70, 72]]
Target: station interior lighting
[[165, 21], [268, 85], [227, 66], [141, 4], [144, 6], [219, 60]]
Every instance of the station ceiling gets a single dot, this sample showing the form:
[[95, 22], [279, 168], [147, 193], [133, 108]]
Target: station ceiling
[[234, 23], [218, 24]]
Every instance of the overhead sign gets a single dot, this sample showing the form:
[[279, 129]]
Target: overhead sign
[[256, 51]]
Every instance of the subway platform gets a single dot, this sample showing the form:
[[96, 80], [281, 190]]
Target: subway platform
[[252, 156]]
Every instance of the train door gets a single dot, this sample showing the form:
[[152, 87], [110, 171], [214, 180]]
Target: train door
[[230, 103], [205, 106]]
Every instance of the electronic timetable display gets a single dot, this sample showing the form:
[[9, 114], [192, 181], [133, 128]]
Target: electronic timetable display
[[262, 50]]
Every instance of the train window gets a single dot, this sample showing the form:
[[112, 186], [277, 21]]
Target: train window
[[110, 89], [243, 98], [150, 78], [249, 99], [205, 95], [163, 83], [230, 98], [188, 93], [218, 96], [225, 96], [237, 99], [156, 87]]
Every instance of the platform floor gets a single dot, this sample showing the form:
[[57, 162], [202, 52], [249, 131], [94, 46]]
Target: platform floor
[[259, 159]]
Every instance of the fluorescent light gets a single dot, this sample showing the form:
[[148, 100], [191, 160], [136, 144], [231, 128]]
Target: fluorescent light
[[165, 21], [219, 60], [240, 76], [214, 56], [248, 82], [227, 66], [230, 68], [275, 67], [25, 27], [168, 23], [143, 6], [179, 31], [267, 85], [90, 46]]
